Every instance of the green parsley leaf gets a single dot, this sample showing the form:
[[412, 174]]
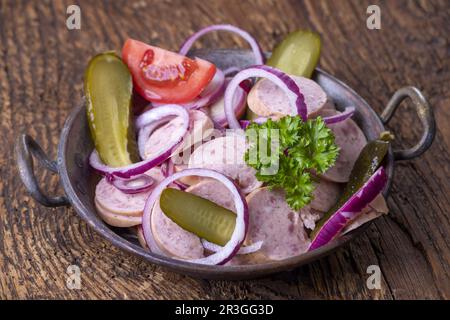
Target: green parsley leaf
[[297, 148]]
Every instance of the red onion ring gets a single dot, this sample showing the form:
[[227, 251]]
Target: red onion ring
[[160, 113], [232, 247], [259, 55], [168, 169], [347, 113], [165, 168], [136, 184], [213, 91], [243, 250], [141, 167], [291, 89], [245, 85], [179, 184], [145, 132], [217, 110]]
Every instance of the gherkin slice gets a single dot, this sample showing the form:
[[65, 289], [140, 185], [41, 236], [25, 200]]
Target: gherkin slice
[[108, 88], [200, 216], [298, 54], [369, 160]]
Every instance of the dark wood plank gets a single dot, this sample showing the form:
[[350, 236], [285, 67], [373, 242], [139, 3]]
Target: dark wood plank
[[41, 70]]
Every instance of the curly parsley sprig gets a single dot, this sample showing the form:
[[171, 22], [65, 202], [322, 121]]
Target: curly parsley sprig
[[300, 148]]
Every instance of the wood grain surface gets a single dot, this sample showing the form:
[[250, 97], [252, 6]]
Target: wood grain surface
[[41, 72]]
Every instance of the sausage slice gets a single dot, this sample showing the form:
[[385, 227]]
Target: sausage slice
[[200, 128], [351, 140], [172, 239], [266, 99], [117, 220], [115, 201], [325, 195], [226, 155], [275, 223]]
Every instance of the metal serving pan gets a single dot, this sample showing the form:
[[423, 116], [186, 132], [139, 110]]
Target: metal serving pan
[[79, 181]]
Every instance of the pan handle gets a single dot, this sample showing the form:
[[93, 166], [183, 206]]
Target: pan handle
[[425, 114], [26, 148]]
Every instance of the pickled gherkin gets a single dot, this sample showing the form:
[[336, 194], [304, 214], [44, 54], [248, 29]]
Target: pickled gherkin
[[369, 160], [298, 54], [108, 88], [200, 216]]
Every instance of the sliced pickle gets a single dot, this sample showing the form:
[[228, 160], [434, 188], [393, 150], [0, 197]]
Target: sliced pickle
[[200, 216], [369, 160], [298, 54], [108, 88]]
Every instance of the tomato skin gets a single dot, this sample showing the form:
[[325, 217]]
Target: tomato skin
[[180, 91]]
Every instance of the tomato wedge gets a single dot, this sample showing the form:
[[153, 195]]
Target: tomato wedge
[[164, 76]]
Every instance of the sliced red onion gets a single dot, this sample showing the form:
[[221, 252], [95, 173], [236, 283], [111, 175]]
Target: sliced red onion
[[217, 110], [162, 112], [286, 83], [243, 250], [348, 112], [136, 184], [168, 169], [351, 209], [244, 123], [232, 247], [145, 132], [181, 185], [141, 167], [245, 85], [259, 55], [213, 91]]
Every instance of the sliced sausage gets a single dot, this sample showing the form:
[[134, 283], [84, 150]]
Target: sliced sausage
[[172, 239], [266, 99], [189, 180], [351, 140], [200, 128], [214, 191], [310, 216], [117, 220], [226, 155], [325, 195], [275, 223], [115, 201]]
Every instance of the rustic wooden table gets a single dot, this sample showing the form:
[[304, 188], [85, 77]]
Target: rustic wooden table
[[41, 72]]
